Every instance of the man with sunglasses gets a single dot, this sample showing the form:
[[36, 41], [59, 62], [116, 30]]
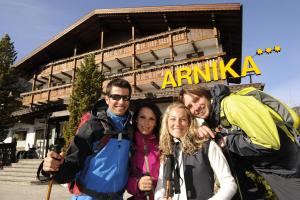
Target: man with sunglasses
[[96, 163]]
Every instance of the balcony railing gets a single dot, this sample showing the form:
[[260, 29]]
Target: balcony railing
[[152, 76], [141, 77], [142, 45], [46, 95], [155, 74]]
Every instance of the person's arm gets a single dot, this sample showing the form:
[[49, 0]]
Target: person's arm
[[160, 190], [221, 169], [76, 154]]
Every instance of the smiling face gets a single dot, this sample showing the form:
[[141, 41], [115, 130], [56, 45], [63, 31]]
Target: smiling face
[[199, 106], [118, 106], [177, 122], [146, 121]]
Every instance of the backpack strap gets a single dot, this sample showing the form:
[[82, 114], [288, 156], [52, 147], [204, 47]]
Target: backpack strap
[[106, 137]]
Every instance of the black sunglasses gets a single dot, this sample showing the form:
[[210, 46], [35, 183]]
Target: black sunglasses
[[117, 97]]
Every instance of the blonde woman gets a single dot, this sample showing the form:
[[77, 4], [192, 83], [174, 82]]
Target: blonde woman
[[197, 161]]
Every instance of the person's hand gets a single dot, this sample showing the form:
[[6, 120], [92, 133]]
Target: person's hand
[[145, 183], [53, 161], [205, 132]]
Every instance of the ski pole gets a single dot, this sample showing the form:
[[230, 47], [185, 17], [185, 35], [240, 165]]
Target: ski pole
[[57, 149], [147, 193], [49, 189], [169, 167]]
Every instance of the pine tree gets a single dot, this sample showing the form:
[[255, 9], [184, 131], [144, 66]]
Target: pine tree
[[87, 90], [8, 86]]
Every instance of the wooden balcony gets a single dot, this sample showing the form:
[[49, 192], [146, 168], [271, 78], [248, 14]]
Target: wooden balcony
[[145, 49], [143, 81], [151, 79], [44, 96], [146, 76]]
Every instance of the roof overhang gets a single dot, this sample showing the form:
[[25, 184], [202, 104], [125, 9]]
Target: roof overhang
[[84, 33]]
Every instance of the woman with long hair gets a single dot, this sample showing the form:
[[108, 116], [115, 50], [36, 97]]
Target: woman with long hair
[[144, 163], [197, 161]]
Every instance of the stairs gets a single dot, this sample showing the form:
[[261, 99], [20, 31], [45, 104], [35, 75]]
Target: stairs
[[23, 172]]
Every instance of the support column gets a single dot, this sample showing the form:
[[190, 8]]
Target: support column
[[133, 61], [171, 48], [33, 87], [75, 64], [101, 47], [49, 82]]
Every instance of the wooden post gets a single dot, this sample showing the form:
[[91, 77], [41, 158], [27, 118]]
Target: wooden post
[[75, 64], [33, 88], [49, 82], [171, 47], [101, 47], [133, 61]]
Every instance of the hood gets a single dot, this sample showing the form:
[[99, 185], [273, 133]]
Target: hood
[[99, 107], [218, 92]]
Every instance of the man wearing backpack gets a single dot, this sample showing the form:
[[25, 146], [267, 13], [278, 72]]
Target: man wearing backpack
[[97, 160], [252, 136]]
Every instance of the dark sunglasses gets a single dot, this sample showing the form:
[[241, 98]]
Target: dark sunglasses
[[117, 97]]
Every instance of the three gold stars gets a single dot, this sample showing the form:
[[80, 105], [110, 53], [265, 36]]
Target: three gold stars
[[268, 50]]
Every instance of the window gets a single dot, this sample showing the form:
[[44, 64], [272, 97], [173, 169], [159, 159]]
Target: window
[[39, 134], [20, 135]]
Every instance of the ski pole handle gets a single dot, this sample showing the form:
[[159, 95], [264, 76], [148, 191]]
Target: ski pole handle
[[58, 144]]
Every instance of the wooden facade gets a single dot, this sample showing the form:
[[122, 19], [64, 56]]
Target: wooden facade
[[137, 44]]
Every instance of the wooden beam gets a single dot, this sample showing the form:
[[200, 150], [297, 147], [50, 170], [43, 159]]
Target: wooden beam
[[105, 65], [154, 54], [75, 50], [102, 38], [34, 82], [55, 77], [138, 89], [155, 85], [194, 46], [174, 52], [45, 78], [120, 62], [137, 58], [66, 74], [37, 80]]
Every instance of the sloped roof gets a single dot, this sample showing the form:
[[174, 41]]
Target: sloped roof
[[85, 32]]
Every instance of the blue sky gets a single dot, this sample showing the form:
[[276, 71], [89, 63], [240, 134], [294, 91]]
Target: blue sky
[[266, 23]]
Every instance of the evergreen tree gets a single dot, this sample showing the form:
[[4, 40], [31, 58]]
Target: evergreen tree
[[87, 90], [8, 86]]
